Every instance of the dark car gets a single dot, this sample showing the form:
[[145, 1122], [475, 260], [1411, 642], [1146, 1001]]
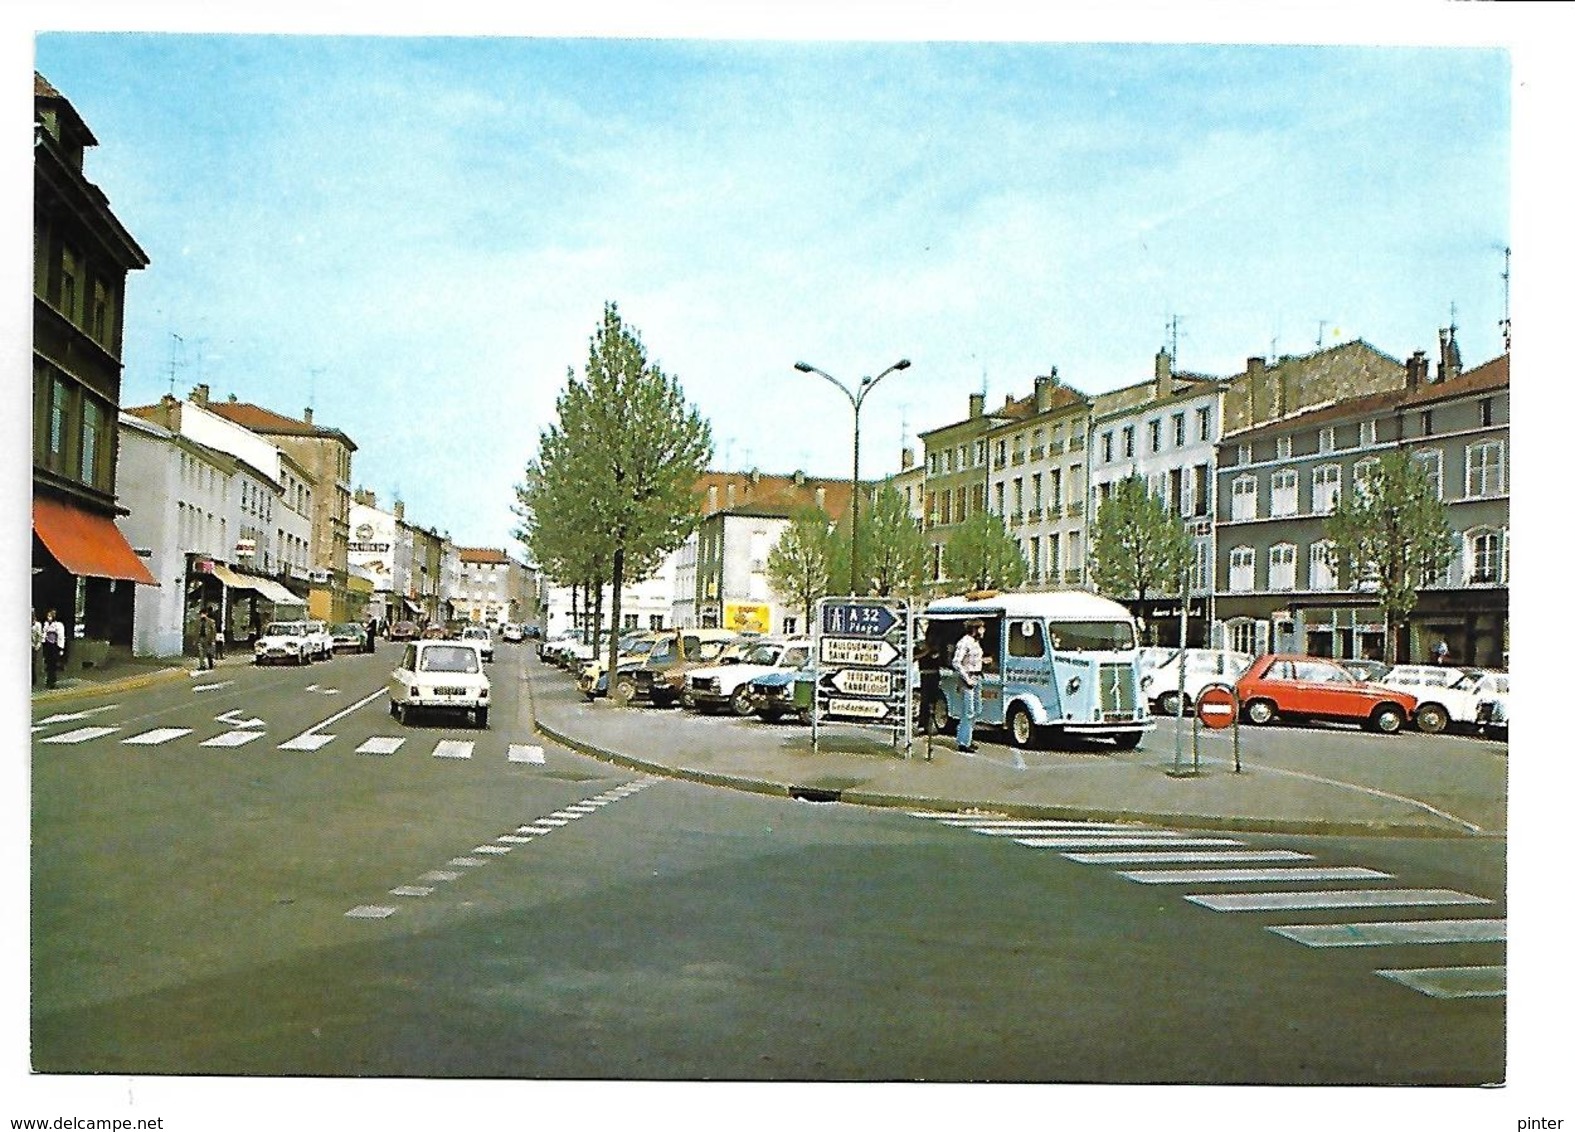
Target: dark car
[[1314, 687], [403, 631]]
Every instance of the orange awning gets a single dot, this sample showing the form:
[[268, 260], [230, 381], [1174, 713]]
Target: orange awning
[[86, 544]]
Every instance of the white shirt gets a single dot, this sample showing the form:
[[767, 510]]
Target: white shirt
[[968, 659]]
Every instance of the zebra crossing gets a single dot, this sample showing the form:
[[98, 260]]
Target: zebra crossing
[[436, 746], [1174, 857]]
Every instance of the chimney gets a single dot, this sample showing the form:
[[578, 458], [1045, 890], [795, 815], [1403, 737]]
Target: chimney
[[1163, 383], [399, 510], [1257, 392], [199, 395], [710, 499], [308, 417], [169, 412], [907, 458], [820, 498], [731, 494], [975, 405], [1043, 390], [1416, 370]]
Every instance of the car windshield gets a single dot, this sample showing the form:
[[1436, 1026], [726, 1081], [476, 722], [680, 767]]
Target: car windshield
[[346, 630], [1091, 636], [449, 658], [763, 654], [286, 629], [475, 634]]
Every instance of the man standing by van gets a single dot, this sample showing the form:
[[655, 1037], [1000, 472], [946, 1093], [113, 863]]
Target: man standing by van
[[968, 660]]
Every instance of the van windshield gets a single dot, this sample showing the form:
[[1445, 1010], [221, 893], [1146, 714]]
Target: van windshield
[[1091, 636]]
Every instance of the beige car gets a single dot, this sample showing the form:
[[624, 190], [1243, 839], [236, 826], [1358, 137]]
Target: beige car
[[659, 678]]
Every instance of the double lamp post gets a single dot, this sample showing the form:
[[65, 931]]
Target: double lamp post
[[857, 400]]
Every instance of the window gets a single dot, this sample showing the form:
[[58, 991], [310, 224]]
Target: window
[[1362, 476], [1243, 569], [1369, 433], [70, 283], [1282, 497], [1243, 453], [1325, 488], [1320, 567], [1431, 461], [1055, 489], [1485, 469], [1128, 442], [1204, 424], [1039, 493], [1200, 566], [1178, 429], [1282, 566], [57, 423], [1200, 489], [1326, 440], [1427, 422], [1033, 558], [1024, 639], [980, 450], [1487, 412], [1244, 498], [1485, 558], [1107, 447], [1282, 447], [1153, 435]]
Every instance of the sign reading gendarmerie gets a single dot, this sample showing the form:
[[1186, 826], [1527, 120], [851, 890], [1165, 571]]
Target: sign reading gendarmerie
[[863, 654]]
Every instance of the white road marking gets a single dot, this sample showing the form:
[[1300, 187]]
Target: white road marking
[[380, 745], [232, 739], [410, 890], [1453, 982], [1233, 876], [467, 862], [371, 912], [1203, 857], [211, 687], [1068, 827], [235, 719], [494, 850], [452, 749], [307, 742], [538, 829], [513, 839], [157, 735], [73, 716], [1398, 931], [1146, 841], [1337, 898], [986, 825], [552, 823], [81, 735], [439, 875], [519, 753]]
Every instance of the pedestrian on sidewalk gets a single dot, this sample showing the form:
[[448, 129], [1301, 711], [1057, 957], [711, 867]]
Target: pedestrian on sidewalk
[[929, 658], [206, 634], [968, 660], [38, 648], [54, 647]]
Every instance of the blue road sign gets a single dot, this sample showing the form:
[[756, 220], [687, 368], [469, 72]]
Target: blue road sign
[[852, 620]]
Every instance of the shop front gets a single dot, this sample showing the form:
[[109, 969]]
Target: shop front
[[85, 570]]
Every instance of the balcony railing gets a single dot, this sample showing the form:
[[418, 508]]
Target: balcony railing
[[1017, 458], [1037, 452], [1075, 510], [1035, 514]]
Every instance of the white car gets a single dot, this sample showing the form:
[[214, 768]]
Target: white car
[[1161, 684], [322, 641], [513, 632], [481, 636], [440, 675], [727, 685], [284, 642], [1493, 707], [1447, 697]]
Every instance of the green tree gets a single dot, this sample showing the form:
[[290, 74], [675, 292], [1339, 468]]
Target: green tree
[[893, 551], [1138, 548], [1390, 532], [611, 492], [983, 555], [800, 564]]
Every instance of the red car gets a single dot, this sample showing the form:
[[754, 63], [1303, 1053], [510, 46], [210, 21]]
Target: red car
[[1315, 687]]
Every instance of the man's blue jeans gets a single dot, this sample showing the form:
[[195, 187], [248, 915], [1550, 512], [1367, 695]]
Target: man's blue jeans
[[970, 709]]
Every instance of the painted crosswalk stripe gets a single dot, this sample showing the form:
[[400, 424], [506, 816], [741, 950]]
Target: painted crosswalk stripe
[[157, 735], [1188, 857], [552, 823], [1072, 827], [232, 739], [453, 749], [540, 828], [436, 875], [519, 753], [1335, 898], [1396, 931], [410, 890], [1453, 982], [380, 745], [1236, 876], [993, 824], [512, 839], [1145, 842], [371, 912], [494, 850], [307, 742], [467, 862], [81, 735]]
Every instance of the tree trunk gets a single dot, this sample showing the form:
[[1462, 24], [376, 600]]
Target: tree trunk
[[617, 613]]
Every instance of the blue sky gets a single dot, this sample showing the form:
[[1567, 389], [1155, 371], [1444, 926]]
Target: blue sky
[[415, 235]]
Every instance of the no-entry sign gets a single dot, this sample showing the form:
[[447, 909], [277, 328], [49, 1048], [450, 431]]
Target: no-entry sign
[[1217, 706]]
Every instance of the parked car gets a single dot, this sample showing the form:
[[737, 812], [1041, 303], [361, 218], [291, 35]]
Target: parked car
[[321, 639], [435, 632], [347, 636], [1204, 667], [1151, 657], [1313, 687], [659, 678], [784, 691], [481, 636], [1446, 697], [439, 675], [727, 685], [404, 631], [632, 649], [1364, 669], [283, 642], [1493, 707], [513, 632]]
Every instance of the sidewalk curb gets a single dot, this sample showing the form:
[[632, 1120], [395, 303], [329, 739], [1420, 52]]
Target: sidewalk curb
[[99, 688], [1027, 811]]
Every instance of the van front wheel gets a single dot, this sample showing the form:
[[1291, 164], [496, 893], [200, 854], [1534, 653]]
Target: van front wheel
[[1020, 726]]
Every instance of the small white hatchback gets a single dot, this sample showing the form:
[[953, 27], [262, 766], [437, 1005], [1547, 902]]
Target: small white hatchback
[[439, 676]]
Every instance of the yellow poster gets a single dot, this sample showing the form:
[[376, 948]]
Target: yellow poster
[[746, 617]]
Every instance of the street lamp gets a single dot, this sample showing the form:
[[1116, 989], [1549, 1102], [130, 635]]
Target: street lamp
[[857, 400]]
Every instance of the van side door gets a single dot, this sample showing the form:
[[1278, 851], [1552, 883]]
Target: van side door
[[1029, 667]]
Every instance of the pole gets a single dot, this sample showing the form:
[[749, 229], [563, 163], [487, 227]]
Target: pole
[[853, 550]]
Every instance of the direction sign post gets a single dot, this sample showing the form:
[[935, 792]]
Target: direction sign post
[[863, 661]]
